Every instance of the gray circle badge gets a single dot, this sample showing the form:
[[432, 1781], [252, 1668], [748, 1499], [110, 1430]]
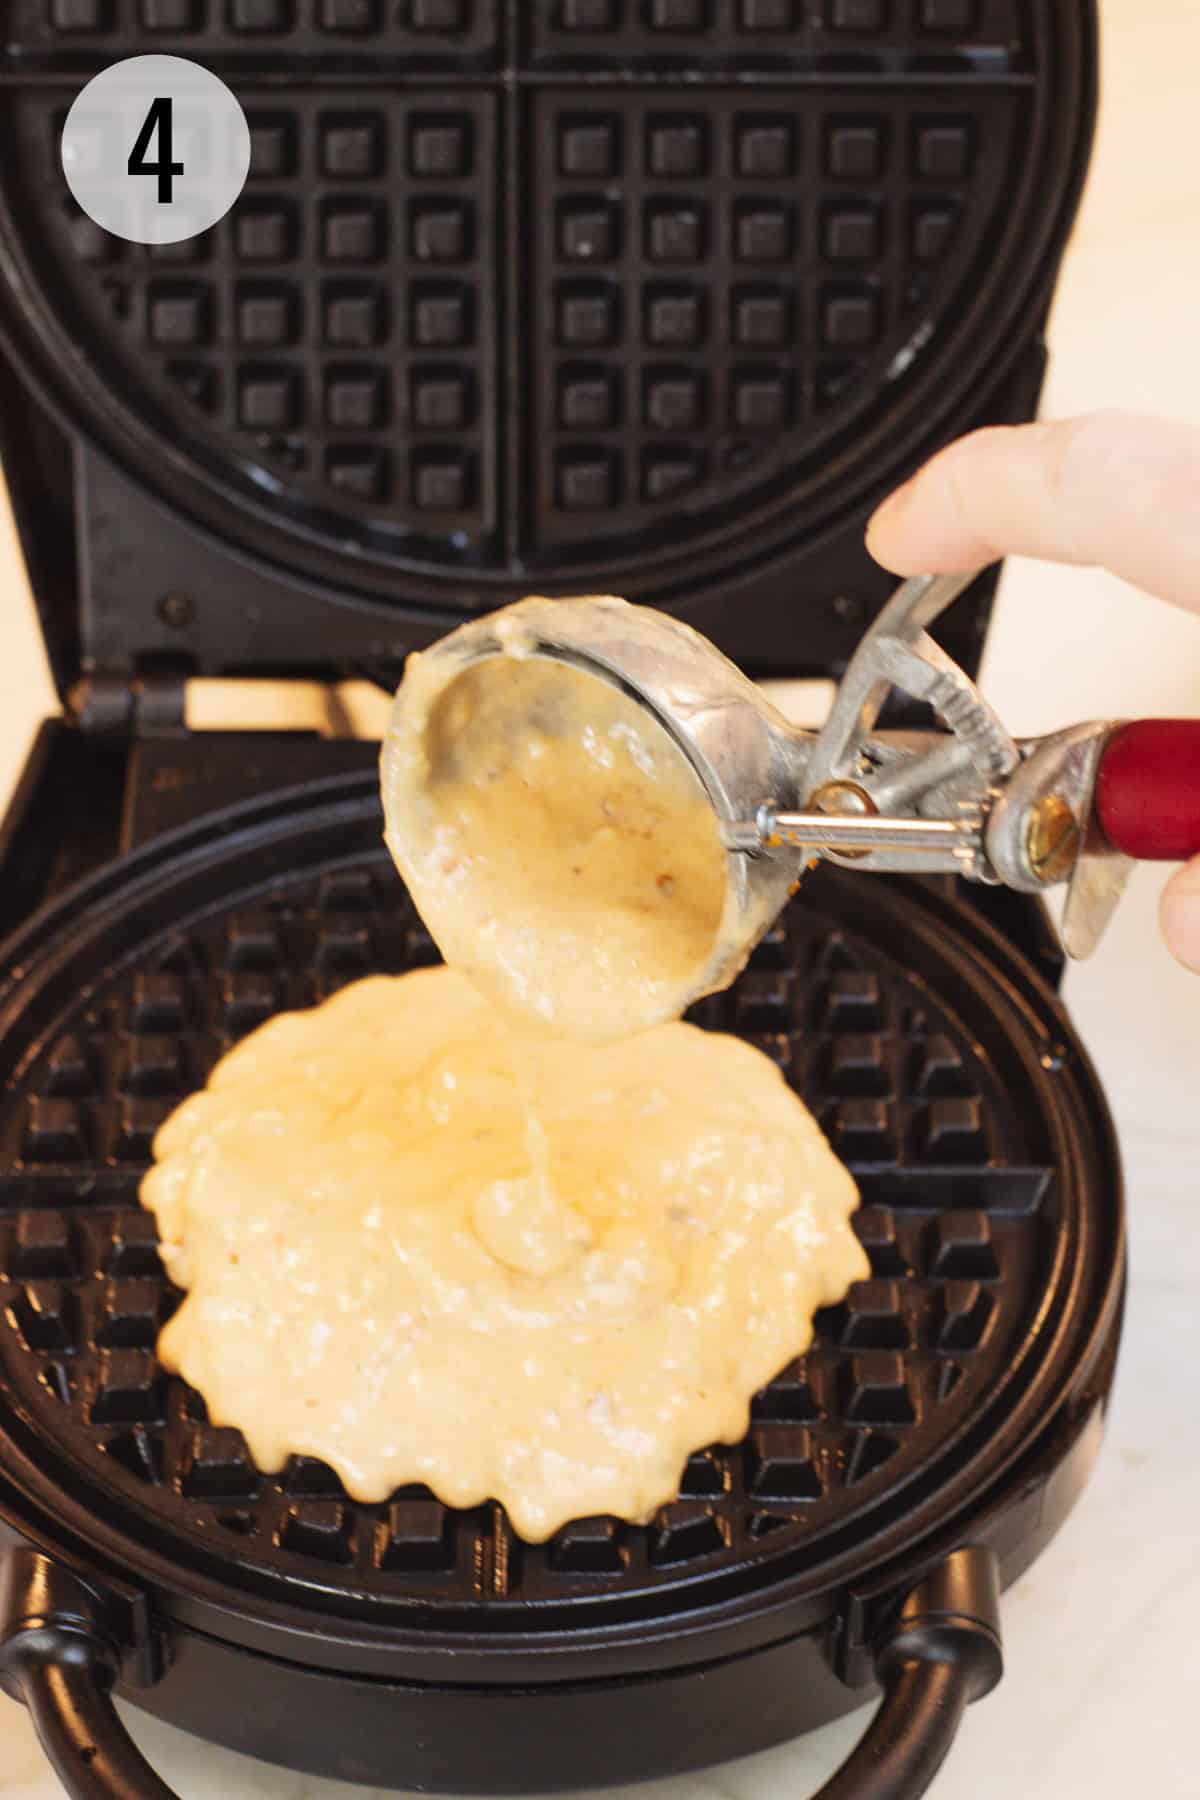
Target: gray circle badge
[[156, 149]]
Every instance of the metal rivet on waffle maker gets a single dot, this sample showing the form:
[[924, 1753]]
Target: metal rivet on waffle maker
[[973, 801]]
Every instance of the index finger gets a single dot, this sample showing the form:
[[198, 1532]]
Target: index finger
[[1115, 489]]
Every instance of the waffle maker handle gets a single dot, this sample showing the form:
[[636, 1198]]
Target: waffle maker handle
[[939, 1651], [60, 1653]]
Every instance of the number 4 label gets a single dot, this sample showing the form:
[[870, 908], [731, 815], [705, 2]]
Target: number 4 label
[[155, 149], [157, 123]]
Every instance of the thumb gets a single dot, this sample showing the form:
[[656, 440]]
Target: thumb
[[1179, 915]]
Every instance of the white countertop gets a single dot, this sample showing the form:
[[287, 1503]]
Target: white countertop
[[1101, 1687]]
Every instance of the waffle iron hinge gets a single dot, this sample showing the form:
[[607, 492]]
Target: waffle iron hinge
[[64, 1637], [47, 1606], [876, 1620], [123, 706], [951, 1613]]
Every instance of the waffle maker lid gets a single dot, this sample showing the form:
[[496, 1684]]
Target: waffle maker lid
[[658, 298], [654, 297]]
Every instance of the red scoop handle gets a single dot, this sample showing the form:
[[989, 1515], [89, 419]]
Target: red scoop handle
[[1148, 790]]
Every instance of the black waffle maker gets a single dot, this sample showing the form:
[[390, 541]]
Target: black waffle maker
[[654, 297]]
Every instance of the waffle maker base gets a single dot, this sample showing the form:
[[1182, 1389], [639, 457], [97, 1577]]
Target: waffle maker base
[[933, 1439]]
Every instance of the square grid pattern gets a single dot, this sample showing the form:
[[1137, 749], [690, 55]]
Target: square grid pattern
[[719, 271], [500, 300], [340, 320], [777, 32], [422, 32], [557, 33], [951, 1228]]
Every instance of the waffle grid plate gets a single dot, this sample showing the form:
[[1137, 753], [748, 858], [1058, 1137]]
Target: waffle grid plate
[[589, 287], [941, 1115]]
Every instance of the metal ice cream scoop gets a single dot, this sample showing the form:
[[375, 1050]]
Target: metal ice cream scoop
[[1077, 806]]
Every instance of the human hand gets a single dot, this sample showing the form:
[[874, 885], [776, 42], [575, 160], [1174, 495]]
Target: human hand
[[1114, 489]]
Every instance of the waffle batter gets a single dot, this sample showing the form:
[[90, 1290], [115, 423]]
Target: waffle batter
[[424, 1240], [407, 1260], [559, 846]]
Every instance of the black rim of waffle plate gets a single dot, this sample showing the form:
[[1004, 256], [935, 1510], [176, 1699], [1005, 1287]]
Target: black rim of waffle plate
[[944, 1075], [639, 289]]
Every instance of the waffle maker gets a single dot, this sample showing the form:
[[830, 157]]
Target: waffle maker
[[652, 296]]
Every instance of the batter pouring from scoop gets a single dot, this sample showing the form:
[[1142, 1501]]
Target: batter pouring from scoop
[[557, 842], [478, 1257]]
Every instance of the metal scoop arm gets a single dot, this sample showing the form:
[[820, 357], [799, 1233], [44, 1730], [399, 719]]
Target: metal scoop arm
[[975, 801]]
